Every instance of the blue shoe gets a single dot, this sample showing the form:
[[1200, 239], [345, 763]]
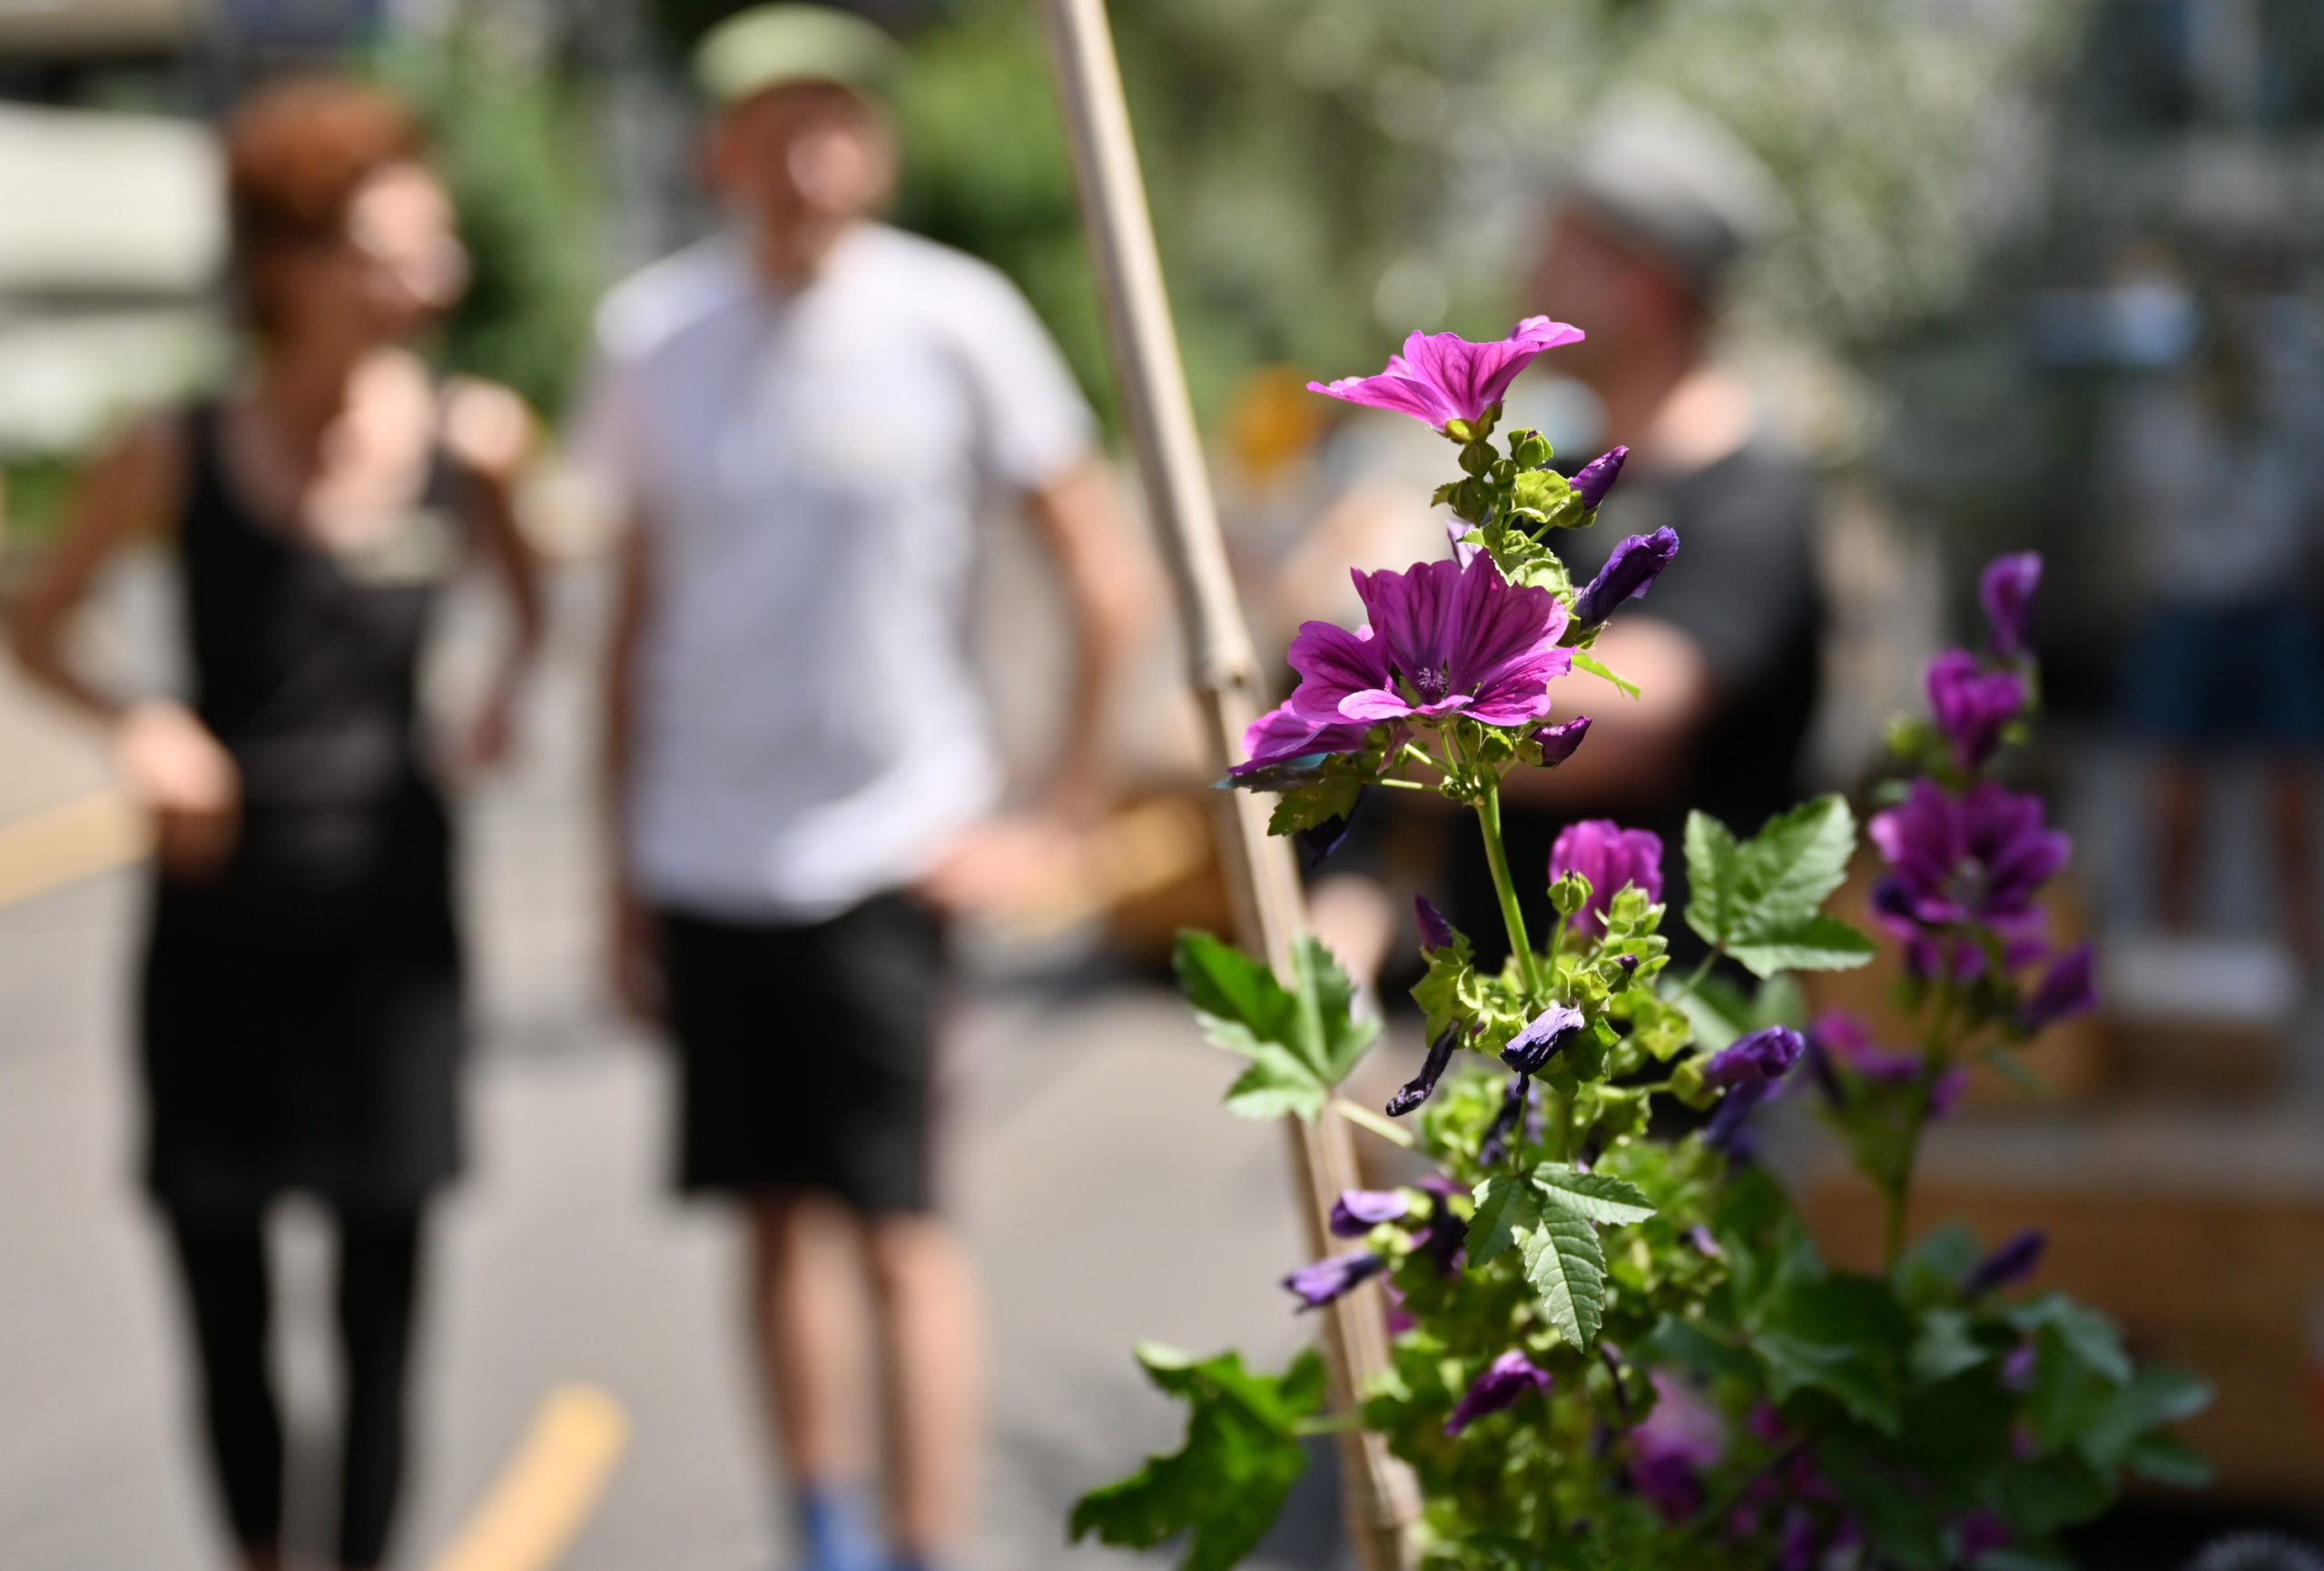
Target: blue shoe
[[835, 1532]]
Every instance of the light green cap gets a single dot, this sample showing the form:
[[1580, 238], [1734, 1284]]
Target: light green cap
[[771, 45]]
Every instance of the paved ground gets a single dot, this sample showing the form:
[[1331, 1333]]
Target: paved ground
[[1106, 1197]]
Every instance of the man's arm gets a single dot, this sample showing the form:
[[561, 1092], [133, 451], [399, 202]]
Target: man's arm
[[1078, 515], [637, 963]]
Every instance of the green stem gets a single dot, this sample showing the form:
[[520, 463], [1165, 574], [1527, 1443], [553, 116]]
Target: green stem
[[1695, 977], [1364, 1118], [1505, 887]]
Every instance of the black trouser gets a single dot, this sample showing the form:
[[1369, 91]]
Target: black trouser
[[223, 1266]]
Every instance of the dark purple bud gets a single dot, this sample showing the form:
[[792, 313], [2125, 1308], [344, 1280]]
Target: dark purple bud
[[1543, 1038], [1435, 932], [2006, 1266], [1725, 1132], [1400, 1319], [2006, 591], [1763, 1055], [1705, 1244], [1558, 742], [1828, 1080], [1629, 572], [2065, 991], [1444, 1240], [1980, 1533], [1505, 1379], [1800, 1542], [1971, 706], [1320, 840], [1357, 1212], [1596, 478], [1946, 1094], [1327, 1279], [1515, 1103], [2017, 1370], [1415, 1091], [1765, 1426]]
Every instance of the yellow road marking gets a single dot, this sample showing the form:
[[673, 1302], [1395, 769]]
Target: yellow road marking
[[550, 1489], [65, 844]]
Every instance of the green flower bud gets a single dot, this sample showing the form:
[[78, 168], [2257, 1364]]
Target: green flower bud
[[1530, 449], [1461, 431], [1570, 894]]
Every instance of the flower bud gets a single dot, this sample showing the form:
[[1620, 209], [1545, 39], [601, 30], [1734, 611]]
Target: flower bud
[[1357, 1212], [1629, 573], [1326, 1280], [1415, 1091], [1544, 1037], [2005, 590], [1505, 1379], [1762, 1055], [1435, 932], [1558, 742], [1596, 478]]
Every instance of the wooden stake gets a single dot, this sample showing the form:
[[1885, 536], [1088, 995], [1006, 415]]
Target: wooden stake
[[1381, 1499]]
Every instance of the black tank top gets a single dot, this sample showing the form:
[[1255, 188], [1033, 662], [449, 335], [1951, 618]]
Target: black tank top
[[306, 668]]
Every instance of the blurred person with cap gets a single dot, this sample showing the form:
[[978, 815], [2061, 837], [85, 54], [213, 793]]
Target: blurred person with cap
[[800, 416], [1643, 233], [300, 1016]]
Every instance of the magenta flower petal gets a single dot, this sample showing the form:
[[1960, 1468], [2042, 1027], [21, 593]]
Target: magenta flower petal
[[1609, 857], [1332, 663], [2065, 991], [1442, 377], [1971, 706], [1596, 478], [1980, 858], [1357, 1212]]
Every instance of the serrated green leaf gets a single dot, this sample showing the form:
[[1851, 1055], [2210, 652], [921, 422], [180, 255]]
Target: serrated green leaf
[[1815, 942], [1331, 1039], [1567, 1268], [2049, 1492], [1584, 660], [1306, 806], [1275, 1083], [1227, 1485], [2088, 1335], [1229, 986], [2166, 1458], [1786, 871], [2159, 1395], [1593, 1197], [1711, 852], [1506, 1205]]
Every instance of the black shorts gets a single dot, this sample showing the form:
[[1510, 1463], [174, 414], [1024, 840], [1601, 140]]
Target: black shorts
[[805, 1052]]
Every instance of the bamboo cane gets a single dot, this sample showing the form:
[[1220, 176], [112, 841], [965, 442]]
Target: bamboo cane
[[1378, 1491]]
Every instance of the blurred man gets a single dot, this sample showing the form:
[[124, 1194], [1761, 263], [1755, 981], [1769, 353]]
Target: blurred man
[[1647, 227], [802, 415]]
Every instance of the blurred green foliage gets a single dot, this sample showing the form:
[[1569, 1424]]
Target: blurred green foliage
[[505, 132], [1326, 174]]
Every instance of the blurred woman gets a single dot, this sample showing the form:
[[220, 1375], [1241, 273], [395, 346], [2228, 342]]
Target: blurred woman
[[300, 1015]]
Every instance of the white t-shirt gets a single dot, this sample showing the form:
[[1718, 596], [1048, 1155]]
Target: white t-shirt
[[810, 468]]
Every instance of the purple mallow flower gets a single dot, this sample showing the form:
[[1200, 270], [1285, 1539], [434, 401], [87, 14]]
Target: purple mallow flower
[[1416, 1091], [1682, 1436], [1357, 1212], [1505, 1379], [1285, 747], [1435, 932], [2006, 1266], [2066, 991], [1544, 1037], [1558, 742], [2005, 590], [1443, 639], [1442, 377], [1972, 706], [1762, 1055], [1977, 858], [1596, 478], [1609, 857], [1842, 1037], [1332, 1277], [1629, 573]]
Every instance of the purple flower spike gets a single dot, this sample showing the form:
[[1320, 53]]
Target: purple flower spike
[[1726, 1133], [1357, 1212], [1435, 932], [2005, 590], [1762, 1055], [1333, 1277], [1971, 708], [1980, 858], [1945, 1094], [1442, 377], [1629, 573], [1609, 857], [1596, 478], [1505, 1379], [2006, 1266], [1841, 1038], [1416, 1091], [1558, 742], [2065, 991], [1544, 1037]]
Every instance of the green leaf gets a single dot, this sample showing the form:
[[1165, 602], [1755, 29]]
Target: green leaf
[[2090, 1336], [1817, 943], [1331, 1038], [1711, 854], [1275, 1083], [2052, 1492], [1584, 660], [2167, 1459], [1842, 1335], [1306, 807], [1227, 1485], [1302, 1042], [1567, 1270], [1506, 1205], [1687, 1344], [1593, 1197], [2159, 1395], [1944, 1348], [1231, 989]]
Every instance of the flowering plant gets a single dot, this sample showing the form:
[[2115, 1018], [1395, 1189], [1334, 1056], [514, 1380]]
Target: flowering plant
[[1614, 1349]]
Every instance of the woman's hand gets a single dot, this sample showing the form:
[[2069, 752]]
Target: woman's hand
[[185, 777]]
